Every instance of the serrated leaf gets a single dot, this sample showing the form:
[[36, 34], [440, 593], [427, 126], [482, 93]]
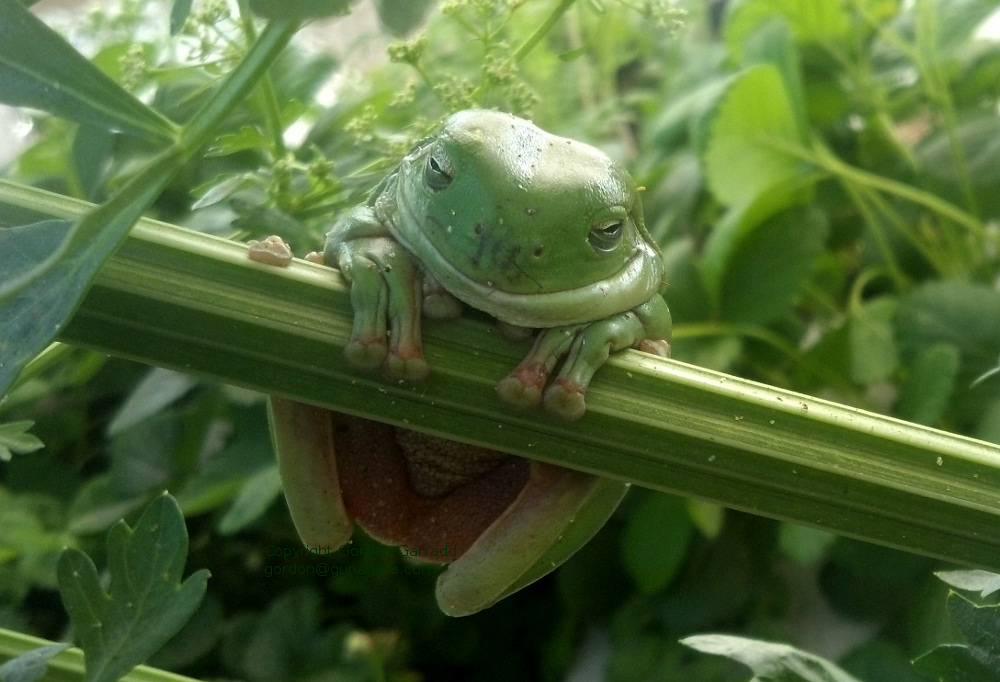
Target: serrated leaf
[[770, 662], [953, 663], [981, 627], [984, 582], [655, 541], [146, 604], [39, 69], [30, 666], [14, 438], [754, 117]]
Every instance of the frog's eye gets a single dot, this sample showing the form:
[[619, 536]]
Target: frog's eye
[[437, 172], [606, 235]]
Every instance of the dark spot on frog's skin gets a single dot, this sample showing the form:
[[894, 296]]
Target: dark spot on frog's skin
[[537, 251]]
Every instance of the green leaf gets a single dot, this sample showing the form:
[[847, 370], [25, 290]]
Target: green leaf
[[772, 265], [257, 494], [742, 160], [981, 627], [59, 279], [179, 14], [14, 438], [930, 384], [770, 662], [963, 314], [160, 388], [812, 21], [402, 16], [874, 356], [299, 10], [39, 69], [953, 663], [655, 541], [984, 582], [30, 666], [735, 229], [146, 604]]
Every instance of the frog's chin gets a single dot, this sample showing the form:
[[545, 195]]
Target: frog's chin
[[638, 281]]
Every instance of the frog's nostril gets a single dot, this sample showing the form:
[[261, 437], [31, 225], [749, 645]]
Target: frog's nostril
[[537, 251]]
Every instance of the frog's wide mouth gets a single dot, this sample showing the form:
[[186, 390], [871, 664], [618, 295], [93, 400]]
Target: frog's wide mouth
[[635, 283]]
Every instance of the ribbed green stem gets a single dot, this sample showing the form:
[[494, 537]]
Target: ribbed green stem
[[192, 302], [67, 666]]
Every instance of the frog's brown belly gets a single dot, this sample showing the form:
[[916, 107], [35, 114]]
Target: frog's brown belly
[[408, 488]]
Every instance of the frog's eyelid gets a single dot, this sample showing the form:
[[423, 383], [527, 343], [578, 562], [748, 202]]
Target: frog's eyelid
[[607, 234], [437, 174]]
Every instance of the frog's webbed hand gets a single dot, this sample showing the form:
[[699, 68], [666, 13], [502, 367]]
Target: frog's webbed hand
[[386, 295], [584, 349]]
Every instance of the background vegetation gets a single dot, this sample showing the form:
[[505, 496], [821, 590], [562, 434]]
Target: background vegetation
[[823, 178]]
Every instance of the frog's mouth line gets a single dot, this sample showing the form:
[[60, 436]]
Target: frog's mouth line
[[638, 281]]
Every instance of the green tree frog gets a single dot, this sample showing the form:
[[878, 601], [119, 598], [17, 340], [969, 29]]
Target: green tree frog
[[541, 232]]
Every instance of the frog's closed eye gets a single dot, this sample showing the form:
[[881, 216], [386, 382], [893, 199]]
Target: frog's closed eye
[[606, 235], [438, 172]]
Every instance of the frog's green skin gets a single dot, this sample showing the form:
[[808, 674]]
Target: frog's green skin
[[538, 231]]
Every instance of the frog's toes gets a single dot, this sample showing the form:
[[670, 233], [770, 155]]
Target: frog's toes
[[407, 364], [659, 347], [523, 387], [366, 352], [565, 398]]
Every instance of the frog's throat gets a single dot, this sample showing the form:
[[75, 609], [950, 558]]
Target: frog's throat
[[638, 281]]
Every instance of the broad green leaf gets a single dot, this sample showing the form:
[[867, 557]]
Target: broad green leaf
[[39, 69], [874, 356], [930, 384], [743, 158], [99, 504], [45, 289], [772, 265], [179, 13], [770, 662], [811, 21], [963, 314], [953, 663], [979, 138], [14, 438], [30, 666], [258, 493], [299, 10], [981, 627], [772, 43], [655, 540], [146, 604], [736, 227], [160, 388], [984, 582]]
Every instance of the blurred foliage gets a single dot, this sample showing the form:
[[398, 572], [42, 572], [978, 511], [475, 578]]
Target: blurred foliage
[[822, 175]]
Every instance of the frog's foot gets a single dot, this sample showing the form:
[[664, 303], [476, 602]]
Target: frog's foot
[[367, 351], [385, 295], [524, 386], [660, 347], [564, 398]]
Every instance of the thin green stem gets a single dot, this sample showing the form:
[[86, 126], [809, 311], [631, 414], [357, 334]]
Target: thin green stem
[[543, 29]]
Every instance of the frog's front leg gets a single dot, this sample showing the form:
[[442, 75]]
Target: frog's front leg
[[385, 292], [585, 348]]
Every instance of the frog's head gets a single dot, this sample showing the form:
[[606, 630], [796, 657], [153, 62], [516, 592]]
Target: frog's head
[[535, 229]]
